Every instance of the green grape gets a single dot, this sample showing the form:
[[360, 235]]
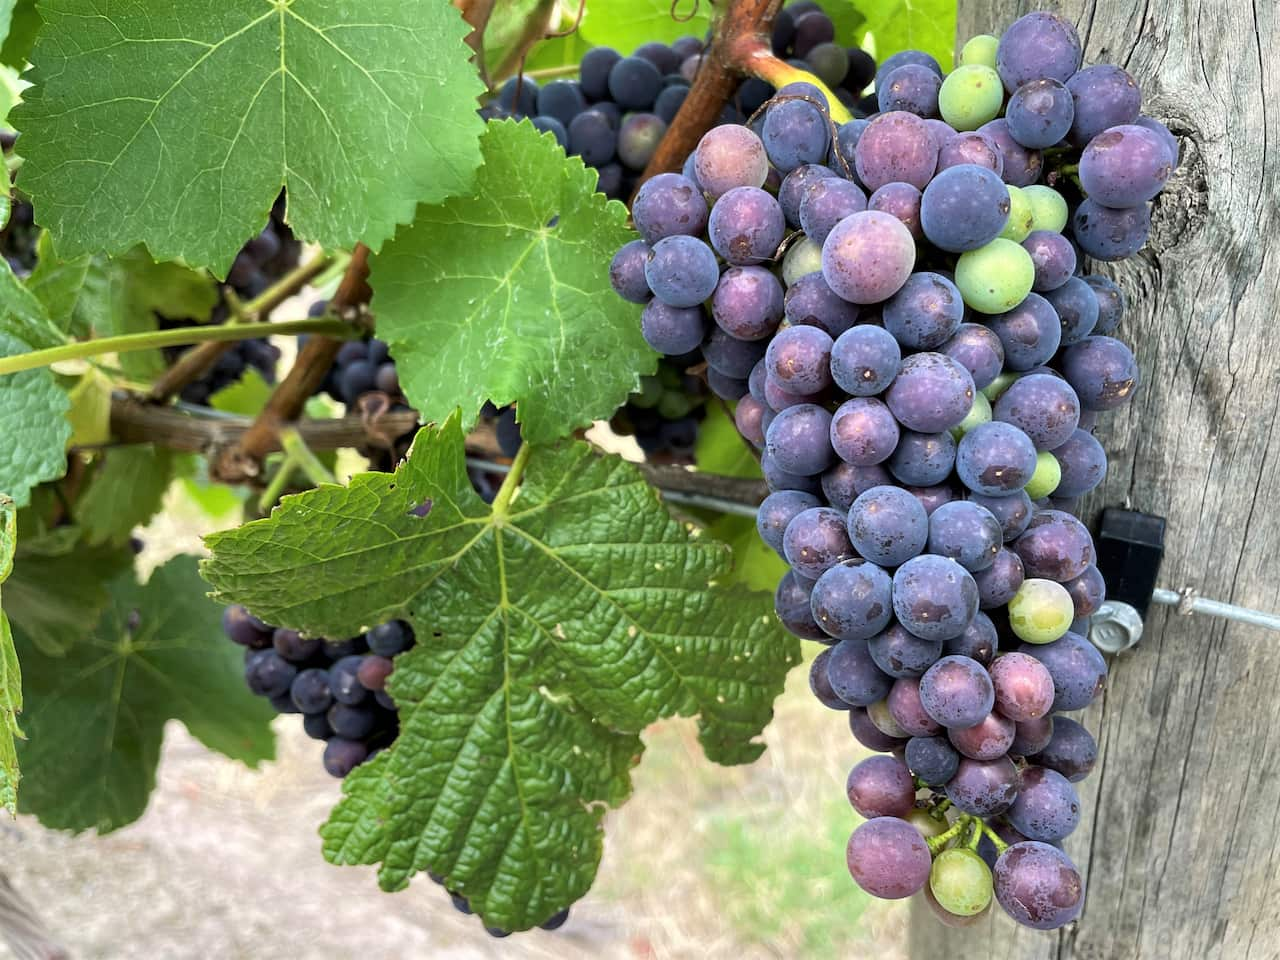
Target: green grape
[[1048, 208], [960, 881], [1020, 219], [971, 96], [927, 825], [801, 260], [995, 278], [675, 405], [1047, 476], [1041, 611], [650, 393], [993, 390], [878, 713], [980, 50], [979, 413]]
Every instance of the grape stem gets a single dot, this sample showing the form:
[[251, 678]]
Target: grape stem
[[975, 837], [130, 342], [955, 830], [298, 458], [510, 483], [994, 837]]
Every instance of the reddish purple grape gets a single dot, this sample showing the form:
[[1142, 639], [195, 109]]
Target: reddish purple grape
[[1104, 96], [902, 202], [1102, 371], [1054, 259], [1037, 45], [957, 692], [971, 147], [977, 349], [1013, 512], [795, 187], [748, 417], [888, 858], [998, 584], [828, 201], [881, 786], [853, 600], [868, 734], [1038, 885], [746, 226], [729, 156], [811, 302], [1163, 134], [940, 130], [865, 360], [1087, 591], [888, 526], [984, 788], [1124, 166], [863, 432], [989, 739], [1030, 333], [896, 147], [933, 496], [1019, 165], [820, 685], [669, 204], [1079, 671], [1031, 736], [1071, 750], [1055, 546], [995, 459], [978, 642], [799, 359], [868, 256], [1023, 686], [1047, 807], [900, 653], [907, 710], [1043, 407], [626, 272]]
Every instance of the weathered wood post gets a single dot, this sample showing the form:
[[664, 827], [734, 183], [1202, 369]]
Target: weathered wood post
[[1179, 842]]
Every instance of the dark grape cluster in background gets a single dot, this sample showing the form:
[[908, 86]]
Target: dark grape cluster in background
[[901, 310], [665, 413]]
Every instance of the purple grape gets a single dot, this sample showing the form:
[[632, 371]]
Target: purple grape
[[1020, 166], [863, 432], [727, 388], [810, 302], [627, 272], [868, 734], [931, 393], [791, 604], [799, 359], [554, 127], [733, 357], [1078, 670], [999, 582], [900, 653], [1031, 736], [681, 271], [672, 330], [1107, 234], [1083, 463], [908, 712], [729, 156], [667, 205], [888, 526], [778, 479], [844, 148], [984, 788], [932, 497], [1039, 113], [1124, 166], [1030, 333], [965, 532], [244, 628], [1071, 750], [978, 642], [748, 417], [1162, 132], [293, 646], [912, 88], [1037, 45], [1054, 258], [932, 759], [868, 257], [1023, 685], [1102, 371], [971, 148], [865, 360], [881, 786], [779, 399], [1043, 407], [977, 349], [896, 147], [995, 459], [888, 858], [1012, 511], [815, 541], [1077, 307], [989, 739], [925, 313], [795, 187], [1047, 807], [956, 691], [1038, 885], [940, 130], [310, 691], [1055, 546], [746, 226], [779, 509], [935, 598], [854, 676], [520, 94], [638, 138], [821, 686], [839, 485], [799, 439], [341, 756], [901, 201], [923, 459], [1111, 302], [268, 674], [902, 58], [1105, 96], [852, 600], [827, 202], [795, 133], [747, 303], [964, 208]]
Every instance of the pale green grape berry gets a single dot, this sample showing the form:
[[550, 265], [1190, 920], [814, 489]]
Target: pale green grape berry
[[1020, 219], [993, 390], [1048, 208], [995, 278], [980, 50], [801, 260], [927, 825], [970, 97], [979, 413], [649, 395], [1047, 476], [960, 882], [1041, 611], [878, 713]]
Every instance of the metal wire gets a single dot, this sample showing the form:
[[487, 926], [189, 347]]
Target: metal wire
[[1187, 603]]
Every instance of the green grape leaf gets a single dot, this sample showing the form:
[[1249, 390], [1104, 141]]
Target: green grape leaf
[[558, 52], [95, 717], [90, 413], [626, 24], [20, 23], [504, 295], [57, 589], [721, 449], [10, 676], [551, 630], [246, 396], [24, 316], [897, 25], [125, 492], [205, 110]]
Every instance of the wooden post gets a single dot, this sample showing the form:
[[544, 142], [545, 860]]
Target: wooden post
[[1179, 840]]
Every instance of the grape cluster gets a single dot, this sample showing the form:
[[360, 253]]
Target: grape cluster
[[664, 415], [910, 339], [805, 36]]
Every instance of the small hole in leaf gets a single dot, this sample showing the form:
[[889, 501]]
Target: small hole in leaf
[[422, 509], [133, 621]]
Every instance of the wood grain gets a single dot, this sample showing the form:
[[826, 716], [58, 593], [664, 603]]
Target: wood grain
[[1179, 842]]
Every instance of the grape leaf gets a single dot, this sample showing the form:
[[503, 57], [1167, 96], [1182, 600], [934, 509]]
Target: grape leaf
[[24, 316], [201, 112], [551, 631], [246, 396], [95, 718], [504, 295], [896, 25], [10, 676], [125, 492], [20, 26], [625, 24]]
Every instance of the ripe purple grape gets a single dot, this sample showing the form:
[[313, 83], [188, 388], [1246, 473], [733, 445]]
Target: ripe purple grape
[[888, 525], [795, 133], [799, 359], [932, 497], [746, 226], [984, 788], [747, 303], [669, 204], [811, 302], [995, 459], [826, 202], [681, 271], [1077, 308], [854, 676], [910, 87], [971, 147], [881, 786], [1071, 750], [342, 755], [853, 600], [931, 393], [978, 642], [1083, 463], [1124, 166], [626, 272], [1038, 885], [672, 330], [1023, 686], [820, 685], [988, 739], [923, 459], [998, 583], [1105, 96], [964, 208], [1088, 591], [1111, 302], [1054, 259], [896, 147], [977, 349], [779, 509], [729, 156], [900, 653], [1012, 511], [868, 734], [1030, 333], [863, 432], [868, 256], [1047, 807], [956, 691], [908, 711], [935, 598], [932, 759], [925, 313], [1040, 113], [732, 357], [1055, 546], [888, 858], [901, 201], [795, 187], [815, 541], [1020, 166], [1031, 736], [865, 360], [1036, 46], [1102, 371], [1078, 670], [1107, 234], [1042, 406]]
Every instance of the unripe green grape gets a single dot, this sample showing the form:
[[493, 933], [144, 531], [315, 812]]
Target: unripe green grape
[[993, 390], [979, 413], [980, 50], [1041, 611], [970, 96], [960, 881], [649, 395], [1048, 208], [1020, 219], [995, 278], [801, 260], [673, 406], [1047, 476], [927, 825], [878, 713]]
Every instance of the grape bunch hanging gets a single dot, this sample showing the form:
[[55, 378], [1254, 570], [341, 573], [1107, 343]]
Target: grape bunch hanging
[[912, 340]]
